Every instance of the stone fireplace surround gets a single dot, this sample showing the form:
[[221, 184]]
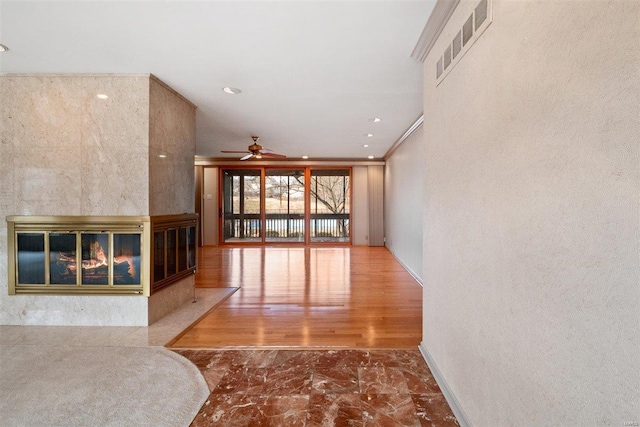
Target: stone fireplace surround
[[66, 152]]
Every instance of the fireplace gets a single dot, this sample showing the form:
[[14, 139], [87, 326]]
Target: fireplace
[[100, 255]]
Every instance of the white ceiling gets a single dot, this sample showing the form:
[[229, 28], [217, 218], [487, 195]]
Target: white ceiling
[[312, 74]]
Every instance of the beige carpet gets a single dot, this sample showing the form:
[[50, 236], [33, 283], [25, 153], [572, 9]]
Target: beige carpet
[[97, 386]]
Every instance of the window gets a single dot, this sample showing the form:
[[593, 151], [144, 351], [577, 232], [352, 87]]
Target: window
[[330, 205], [284, 205]]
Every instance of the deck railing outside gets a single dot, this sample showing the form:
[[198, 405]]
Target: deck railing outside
[[287, 226]]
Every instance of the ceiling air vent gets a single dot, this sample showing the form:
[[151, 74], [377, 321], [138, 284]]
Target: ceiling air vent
[[470, 31]]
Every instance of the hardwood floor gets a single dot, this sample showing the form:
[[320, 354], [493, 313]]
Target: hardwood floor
[[307, 297]]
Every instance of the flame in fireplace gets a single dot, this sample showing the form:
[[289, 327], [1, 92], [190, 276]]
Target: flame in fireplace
[[132, 267], [69, 261], [98, 258]]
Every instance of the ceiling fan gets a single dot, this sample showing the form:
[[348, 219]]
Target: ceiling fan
[[256, 150]]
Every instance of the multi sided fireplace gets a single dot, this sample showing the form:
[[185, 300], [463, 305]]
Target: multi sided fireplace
[[103, 255]]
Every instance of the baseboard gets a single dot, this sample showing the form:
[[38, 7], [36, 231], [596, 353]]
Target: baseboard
[[406, 267], [455, 406]]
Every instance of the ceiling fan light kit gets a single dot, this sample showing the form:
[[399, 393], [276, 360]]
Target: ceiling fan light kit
[[257, 151]]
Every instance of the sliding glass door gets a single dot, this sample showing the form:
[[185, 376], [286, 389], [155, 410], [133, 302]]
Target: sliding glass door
[[330, 205], [284, 205], [278, 205], [241, 205]]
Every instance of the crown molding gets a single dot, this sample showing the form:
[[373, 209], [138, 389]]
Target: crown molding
[[434, 26], [404, 136]]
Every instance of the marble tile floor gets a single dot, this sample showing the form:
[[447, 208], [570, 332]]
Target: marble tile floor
[[157, 334], [318, 388]]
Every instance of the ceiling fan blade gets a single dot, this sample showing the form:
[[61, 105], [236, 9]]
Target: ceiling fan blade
[[266, 150], [248, 156], [274, 155], [227, 151]]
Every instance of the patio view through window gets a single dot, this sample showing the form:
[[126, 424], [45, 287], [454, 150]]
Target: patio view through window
[[330, 205], [285, 205]]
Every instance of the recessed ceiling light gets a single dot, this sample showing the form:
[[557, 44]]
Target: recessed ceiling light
[[366, 145], [369, 157], [102, 96], [231, 90], [305, 157], [162, 155], [375, 119], [3, 48], [369, 135]]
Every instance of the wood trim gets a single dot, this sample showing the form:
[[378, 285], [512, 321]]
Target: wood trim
[[248, 164], [307, 205], [263, 205], [220, 207]]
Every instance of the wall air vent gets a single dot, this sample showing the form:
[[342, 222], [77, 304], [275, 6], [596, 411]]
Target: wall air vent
[[467, 31], [447, 57], [481, 13], [471, 30], [457, 44]]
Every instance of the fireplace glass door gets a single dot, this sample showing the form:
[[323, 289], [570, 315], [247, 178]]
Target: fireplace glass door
[[174, 251], [31, 258], [63, 267], [95, 258], [74, 259], [126, 259]]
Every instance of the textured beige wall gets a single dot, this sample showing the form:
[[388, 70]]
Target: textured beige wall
[[63, 151], [531, 269], [403, 200], [172, 130]]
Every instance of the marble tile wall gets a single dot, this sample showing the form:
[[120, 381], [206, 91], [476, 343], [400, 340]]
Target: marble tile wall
[[64, 151], [115, 140], [172, 125], [71, 153], [7, 151], [72, 310]]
